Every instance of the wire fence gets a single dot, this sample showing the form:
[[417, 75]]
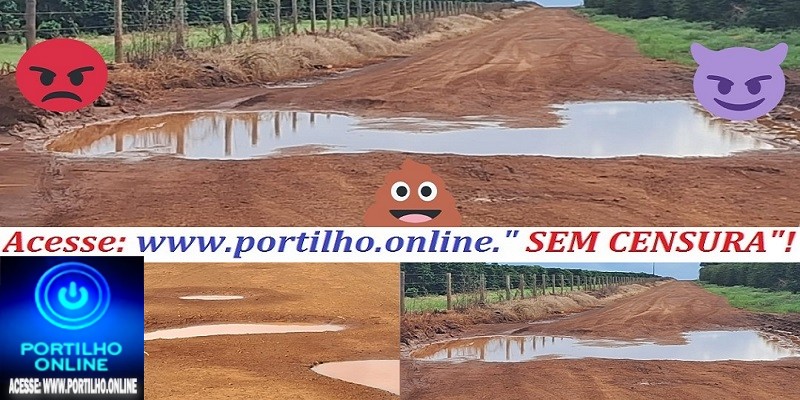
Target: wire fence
[[136, 31], [456, 291]]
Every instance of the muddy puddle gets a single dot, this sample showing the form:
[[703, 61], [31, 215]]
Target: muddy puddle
[[379, 374], [212, 297], [238, 329], [699, 346], [590, 130]]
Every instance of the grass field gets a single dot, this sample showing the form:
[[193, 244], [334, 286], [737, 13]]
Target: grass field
[[760, 300], [463, 300], [670, 39], [196, 37]]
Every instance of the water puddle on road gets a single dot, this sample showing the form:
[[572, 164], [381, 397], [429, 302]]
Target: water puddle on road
[[212, 298], [590, 130], [379, 374], [238, 329], [699, 346]]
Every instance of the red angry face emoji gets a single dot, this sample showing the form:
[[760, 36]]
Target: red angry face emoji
[[62, 75]]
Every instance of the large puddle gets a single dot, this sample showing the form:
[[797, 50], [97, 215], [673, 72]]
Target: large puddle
[[379, 374], [238, 329], [594, 130], [699, 346]]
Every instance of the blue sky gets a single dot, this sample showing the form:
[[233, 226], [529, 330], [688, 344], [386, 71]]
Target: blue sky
[[688, 271]]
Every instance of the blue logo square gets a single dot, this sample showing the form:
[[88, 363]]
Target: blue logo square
[[72, 327]]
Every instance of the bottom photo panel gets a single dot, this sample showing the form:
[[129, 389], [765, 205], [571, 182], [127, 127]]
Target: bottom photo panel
[[272, 331], [600, 331]]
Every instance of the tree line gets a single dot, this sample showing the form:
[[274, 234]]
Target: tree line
[[761, 14], [71, 17], [430, 278], [773, 276]]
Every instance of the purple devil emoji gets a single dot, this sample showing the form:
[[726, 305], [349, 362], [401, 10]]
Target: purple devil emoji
[[739, 83]]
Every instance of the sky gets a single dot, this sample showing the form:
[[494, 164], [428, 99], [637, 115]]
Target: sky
[[682, 271]]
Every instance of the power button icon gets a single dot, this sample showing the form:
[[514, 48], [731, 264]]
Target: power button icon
[[72, 295]]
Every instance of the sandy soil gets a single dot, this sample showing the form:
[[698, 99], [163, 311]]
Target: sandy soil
[[514, 68], [275, 366], [660, 314]]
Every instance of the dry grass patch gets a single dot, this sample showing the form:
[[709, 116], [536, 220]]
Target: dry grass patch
[[292, 57], [427, 325]]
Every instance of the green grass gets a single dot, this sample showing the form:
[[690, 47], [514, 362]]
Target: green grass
[[760, 300], [439, 303], [196, 37], [670, 39]]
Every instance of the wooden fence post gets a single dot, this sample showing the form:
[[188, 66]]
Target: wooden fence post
[[179, 24], [405, 11], [227, 21], [383, 13], [389, 15], [562, 283], [553, 287], [30, 23], [413, 13], [295, 17], [534, 285], [508, 287], [329, 15], [253, 18], [118, 31], [449, 291], [397, 12], [347, 13], [544, 284], [278, 29], [359, 11], [402, 292], [522, 286], [483, 289], [313, 7], [571, 282]]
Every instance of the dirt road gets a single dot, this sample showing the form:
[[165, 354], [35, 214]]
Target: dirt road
[[271, 366], [660, 314], [514, 68], [517, 68]]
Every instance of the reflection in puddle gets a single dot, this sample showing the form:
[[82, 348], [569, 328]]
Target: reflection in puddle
[[212, 298], [238, 329], [379, 374], [700, 346], [597, 130]]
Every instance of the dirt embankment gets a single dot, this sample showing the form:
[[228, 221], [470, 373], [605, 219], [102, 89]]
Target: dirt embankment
[[134, 88], [658, 314], [423, 327], [269, 366]]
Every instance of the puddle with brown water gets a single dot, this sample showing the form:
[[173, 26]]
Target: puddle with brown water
[[590, 130], [699, 346], [379, 374], [238, 329]]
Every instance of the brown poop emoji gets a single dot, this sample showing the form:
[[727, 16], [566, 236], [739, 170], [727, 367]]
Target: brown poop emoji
[[413, 196]]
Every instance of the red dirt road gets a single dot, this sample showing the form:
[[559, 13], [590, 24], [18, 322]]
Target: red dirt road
[[660, 314], [514, 68]]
